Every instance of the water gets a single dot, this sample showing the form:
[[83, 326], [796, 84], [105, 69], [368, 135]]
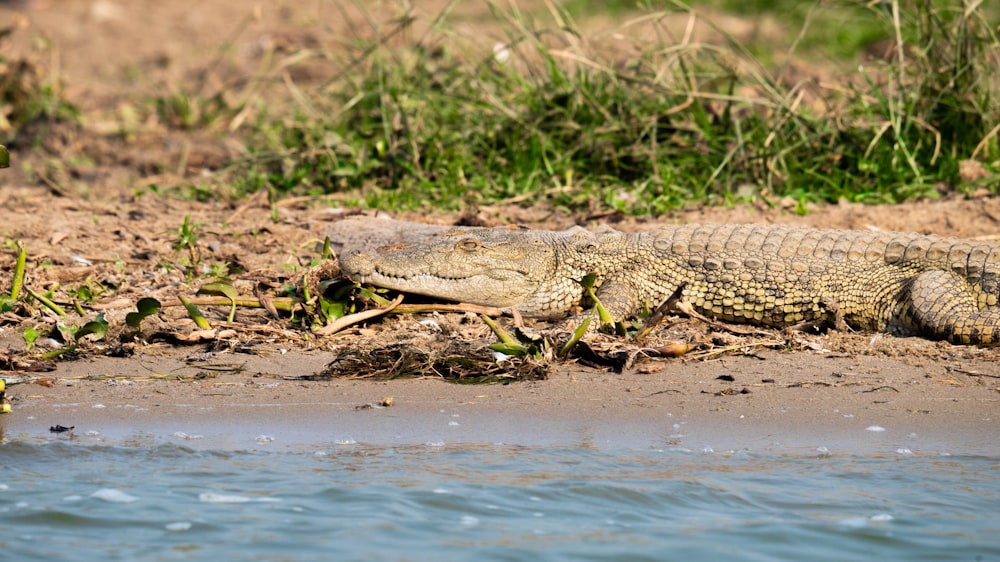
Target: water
[[66, 499]]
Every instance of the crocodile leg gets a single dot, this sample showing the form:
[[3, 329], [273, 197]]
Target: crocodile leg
[[944, 305], [618, 299]]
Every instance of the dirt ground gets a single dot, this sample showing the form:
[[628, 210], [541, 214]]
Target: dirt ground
[[90, 225]]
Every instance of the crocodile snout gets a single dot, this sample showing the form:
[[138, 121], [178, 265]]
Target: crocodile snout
[[357, 263]]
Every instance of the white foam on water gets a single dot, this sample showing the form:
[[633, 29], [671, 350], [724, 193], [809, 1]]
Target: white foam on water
[[469, 521], [875, 428], [112, 495], [855, 522], [212, 497], [182, 435], [178, 526], [263, 439], [863, 521], [209, 497]]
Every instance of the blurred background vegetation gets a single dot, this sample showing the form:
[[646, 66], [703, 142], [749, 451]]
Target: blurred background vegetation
[[637, 106]]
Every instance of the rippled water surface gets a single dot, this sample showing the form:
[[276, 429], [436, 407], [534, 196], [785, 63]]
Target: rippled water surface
[[73, 501]]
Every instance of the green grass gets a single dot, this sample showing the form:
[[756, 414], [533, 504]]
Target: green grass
[[31, 100], [443, 123], [533, 110]]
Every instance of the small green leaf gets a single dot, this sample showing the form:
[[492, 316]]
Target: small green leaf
[[332, 310], [4, 157], [67, 332], [96, 327], [325, 284], [57, 352], [219, 290], [31, 335], [336, 290], [84, 293], [222, 290], [145, 307]]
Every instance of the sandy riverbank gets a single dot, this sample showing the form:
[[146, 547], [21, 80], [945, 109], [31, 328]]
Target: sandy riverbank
[[777, 402]]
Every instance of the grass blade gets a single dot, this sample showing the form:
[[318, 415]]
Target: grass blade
[[578, 334], [195, 313], [503, 335], [18, 281]]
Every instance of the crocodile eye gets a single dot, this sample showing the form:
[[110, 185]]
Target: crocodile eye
[[469, 244]]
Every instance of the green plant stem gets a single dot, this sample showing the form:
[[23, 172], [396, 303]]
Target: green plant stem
[[502, 335], [285, 304], [194, 313], [46, 302], [18, 281]]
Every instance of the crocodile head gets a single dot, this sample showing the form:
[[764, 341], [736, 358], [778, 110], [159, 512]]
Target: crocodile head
[[499, 267]]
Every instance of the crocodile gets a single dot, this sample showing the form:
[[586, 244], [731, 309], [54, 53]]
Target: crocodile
[[765, 275]]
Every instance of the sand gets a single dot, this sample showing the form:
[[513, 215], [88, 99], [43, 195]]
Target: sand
[[778, 402]]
